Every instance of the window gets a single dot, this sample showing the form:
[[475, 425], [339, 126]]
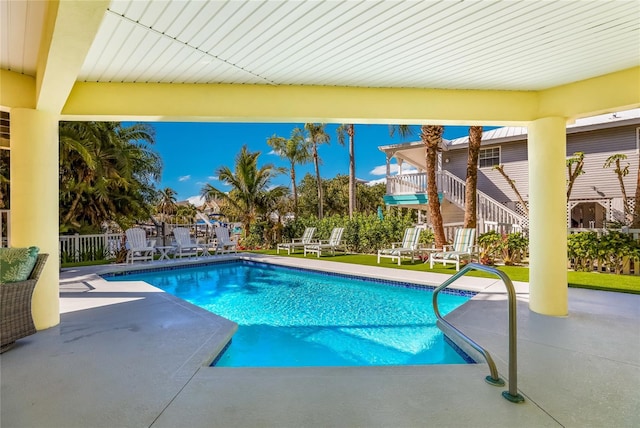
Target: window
[[489, 157]]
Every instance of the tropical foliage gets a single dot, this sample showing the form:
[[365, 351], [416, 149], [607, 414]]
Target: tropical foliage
[[364, 233], [510, 248], [336, 196], [610, 251], [167, 203], [297, 151], [349, 130], [317, 136], [107, 173], [251, 195]]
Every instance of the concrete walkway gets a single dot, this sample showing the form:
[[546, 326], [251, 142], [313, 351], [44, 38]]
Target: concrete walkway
[[128, 355]]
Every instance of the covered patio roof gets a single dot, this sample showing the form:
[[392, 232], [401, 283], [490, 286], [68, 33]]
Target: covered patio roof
[[450, 62], [533, 64]]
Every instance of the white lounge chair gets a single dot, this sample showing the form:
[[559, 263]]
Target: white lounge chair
[[307, 238], [409, 246], [224, 244], [185, 246], [138, 248], [334, 243], [463, 247]]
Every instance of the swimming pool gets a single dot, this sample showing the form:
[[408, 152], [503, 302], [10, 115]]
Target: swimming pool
[[292, 317]]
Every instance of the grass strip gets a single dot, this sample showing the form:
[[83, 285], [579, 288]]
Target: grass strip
[[590, 280]]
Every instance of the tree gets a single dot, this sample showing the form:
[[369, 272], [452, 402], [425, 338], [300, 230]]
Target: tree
[[167, 203], [296, 151], [107, 173], [251, 190], [575, 165], [185, 213], [621, 172], [370, 197], [512, 183], [317, 136], [470, 209], [431, 136], [336, 194], [349, 130]]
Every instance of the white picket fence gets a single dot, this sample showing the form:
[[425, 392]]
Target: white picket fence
[[75, 248]]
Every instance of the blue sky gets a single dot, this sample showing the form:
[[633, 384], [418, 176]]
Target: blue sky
[[192, 152]]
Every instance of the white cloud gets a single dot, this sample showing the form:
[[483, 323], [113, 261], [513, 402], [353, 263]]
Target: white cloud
[[184, 178], [273, 152], [393, 169], [409, 170], [382, 169], [213, 177], [196, 200], [378, 181]]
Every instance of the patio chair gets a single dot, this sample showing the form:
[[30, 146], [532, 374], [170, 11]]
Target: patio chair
[[307, 238], [185, 246], [224, 244], [16, 320], [409, 246], [138, 246], [463, 247], [332, 244]]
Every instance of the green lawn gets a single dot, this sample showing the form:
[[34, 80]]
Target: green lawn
[[592, 280]]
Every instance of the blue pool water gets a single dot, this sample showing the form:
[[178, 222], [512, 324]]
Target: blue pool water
[[291, 317]]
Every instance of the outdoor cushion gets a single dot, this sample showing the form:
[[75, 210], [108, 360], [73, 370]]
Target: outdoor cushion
[[16, 264]]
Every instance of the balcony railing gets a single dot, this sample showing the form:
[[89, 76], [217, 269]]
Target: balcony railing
[[453, 189]]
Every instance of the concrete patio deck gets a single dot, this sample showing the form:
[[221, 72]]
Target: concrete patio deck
[[128, 355]]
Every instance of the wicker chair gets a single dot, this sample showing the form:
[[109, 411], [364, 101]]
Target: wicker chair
[[16, 321]]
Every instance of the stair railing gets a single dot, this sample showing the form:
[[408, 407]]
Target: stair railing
[[512, 394]]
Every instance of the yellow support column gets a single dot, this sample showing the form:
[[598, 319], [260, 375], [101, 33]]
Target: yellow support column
[[547, 216], [34, 202]]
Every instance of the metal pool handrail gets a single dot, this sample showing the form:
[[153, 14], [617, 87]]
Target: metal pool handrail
[[494, 379]]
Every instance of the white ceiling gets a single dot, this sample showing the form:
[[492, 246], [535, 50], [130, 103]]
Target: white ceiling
[[512, 45]]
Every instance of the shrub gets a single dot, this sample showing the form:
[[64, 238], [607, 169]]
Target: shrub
[[510, 248], [582, 249]]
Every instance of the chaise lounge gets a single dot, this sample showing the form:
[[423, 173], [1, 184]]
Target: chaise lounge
[[463, 248], [307, 238], [407, 248]]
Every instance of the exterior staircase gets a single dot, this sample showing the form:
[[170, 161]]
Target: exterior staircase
[[491, 213]]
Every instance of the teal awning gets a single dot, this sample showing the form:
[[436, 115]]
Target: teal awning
[[412, 199]]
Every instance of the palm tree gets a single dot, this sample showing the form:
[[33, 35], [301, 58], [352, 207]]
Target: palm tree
[[431, 136], [185, 213], [470, 209], [296, 151], [317, 136], [167, 203], [350, 131], [251, 190]]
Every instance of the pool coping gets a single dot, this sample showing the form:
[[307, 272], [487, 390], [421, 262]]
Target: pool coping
[[580, 370]]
